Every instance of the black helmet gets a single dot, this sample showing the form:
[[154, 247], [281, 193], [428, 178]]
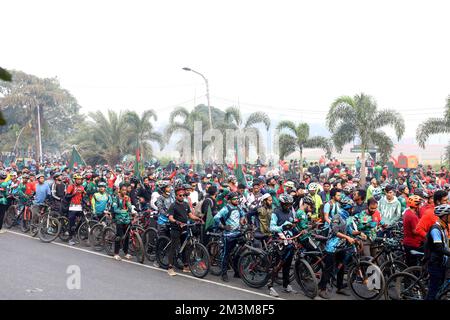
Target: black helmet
[[232, 195], [286, 199]]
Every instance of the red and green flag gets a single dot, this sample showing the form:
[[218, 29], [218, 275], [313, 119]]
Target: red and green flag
[[238, 172], [76, 160], [138, 165]]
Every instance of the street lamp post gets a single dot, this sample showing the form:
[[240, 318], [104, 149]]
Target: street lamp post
[[207, 93]]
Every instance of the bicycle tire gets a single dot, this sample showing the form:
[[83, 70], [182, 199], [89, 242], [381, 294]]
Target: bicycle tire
[[34, 225], [109, 238], [136, 247], [49, 233], [215, 261], [405, 286], [389, 268], [64, 232], [10, 217], [363, 268], [162, 251], [96, 237], [198, 260], [149, 238], [419, 273], [254, 269], [306, 278], [444, 295]]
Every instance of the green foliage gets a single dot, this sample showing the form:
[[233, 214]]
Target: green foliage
[[434, 126], [59, 110], [5, 76]]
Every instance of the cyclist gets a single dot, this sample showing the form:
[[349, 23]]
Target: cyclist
[[314, 189], [332, 207], [334, 256], [179, 213], [390, 207], [58, 190], [101, 201], [403, 196], [428, 218], [121, 209], [411, 239], [75, 193], [437, 250], [4, 201], [283, 220], [229, 219], [262, 216]]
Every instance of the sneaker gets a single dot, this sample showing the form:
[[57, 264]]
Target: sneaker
[[186, 270], [128, 256], [2, 231], [273, 292], [324, 294], [72, 242], [343, 292], [117, 257], [225, 278], [171, 272], [289, 289], [156, 264]]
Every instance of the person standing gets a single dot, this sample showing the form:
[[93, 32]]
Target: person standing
[[411, 239], [390, 208], [4, 201], [75, 193]]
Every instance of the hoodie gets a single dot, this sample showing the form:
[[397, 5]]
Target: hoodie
[[391, 211]]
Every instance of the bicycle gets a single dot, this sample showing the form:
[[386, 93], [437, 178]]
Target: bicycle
[[96, 233], [196, 253], [49, 225], [135, 244]]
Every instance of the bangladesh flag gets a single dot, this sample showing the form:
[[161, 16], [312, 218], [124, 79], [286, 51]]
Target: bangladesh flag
[[209, 219], [76, 160], [138, 166], [238, 165]]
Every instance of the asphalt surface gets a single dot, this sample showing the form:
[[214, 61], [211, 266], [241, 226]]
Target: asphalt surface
[[35, 270]]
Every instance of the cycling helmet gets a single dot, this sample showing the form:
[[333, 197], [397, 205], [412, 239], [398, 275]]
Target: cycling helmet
[[421, 193], [232, 178], [413, 201], [313, 187], [308, 200], [187, 186], [3, 175], [232, 195], [77, 176], [348, 189], [286, 199], [442, 210], [377, 193], [25, 176], [13, 174], [39, 176], [401, 188], [347, 203], [289, 184], [101, 184]]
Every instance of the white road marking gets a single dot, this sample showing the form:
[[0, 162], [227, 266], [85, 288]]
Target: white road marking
[[151, 267]]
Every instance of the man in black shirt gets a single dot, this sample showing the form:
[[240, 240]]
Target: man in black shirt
[[145, 194], [179, 213], [359, 197]]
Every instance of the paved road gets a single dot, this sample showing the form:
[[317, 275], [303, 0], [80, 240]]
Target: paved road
[[35, 270]]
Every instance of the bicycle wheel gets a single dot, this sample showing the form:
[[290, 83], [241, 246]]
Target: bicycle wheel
[[390, 268], [162, 251], [404, 286], [64, 231], [419, 273], [49, 228], [96, 237], [198, 260], [445, 294], [306, 278], [366, 281], [109, 238], [215, 260], [149, 238], [136, 247], [83, 232], [254, 269], [10, 217]]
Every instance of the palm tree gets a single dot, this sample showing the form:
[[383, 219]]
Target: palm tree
[[358, 117], [140, 131], [297, 138], [435, 126], [181, 119], [234, 120], [105, 139]]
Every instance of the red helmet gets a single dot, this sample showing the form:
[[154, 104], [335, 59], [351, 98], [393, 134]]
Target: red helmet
[[413, 201]]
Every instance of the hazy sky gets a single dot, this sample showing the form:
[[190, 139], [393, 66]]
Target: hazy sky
[[288, 58]]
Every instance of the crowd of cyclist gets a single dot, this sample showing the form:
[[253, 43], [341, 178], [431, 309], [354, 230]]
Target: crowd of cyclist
[[275, 201]]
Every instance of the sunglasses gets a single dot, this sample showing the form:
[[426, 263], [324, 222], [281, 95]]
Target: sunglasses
[[181, 195]]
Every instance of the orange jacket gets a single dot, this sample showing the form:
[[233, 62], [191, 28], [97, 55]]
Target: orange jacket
[[426, 221]]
